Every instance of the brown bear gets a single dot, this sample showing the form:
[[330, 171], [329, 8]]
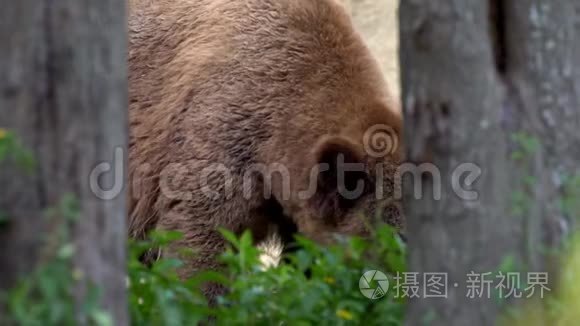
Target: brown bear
[[260, 115]]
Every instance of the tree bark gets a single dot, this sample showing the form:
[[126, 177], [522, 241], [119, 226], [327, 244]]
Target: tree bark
[[63, 92], [474, 74]]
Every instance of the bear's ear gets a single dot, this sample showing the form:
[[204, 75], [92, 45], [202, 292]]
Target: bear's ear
[[342, 177]]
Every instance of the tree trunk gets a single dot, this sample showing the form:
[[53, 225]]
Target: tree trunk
[[493, 83], [63, 92]]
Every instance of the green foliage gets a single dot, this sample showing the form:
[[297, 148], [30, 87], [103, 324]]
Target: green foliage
[[330, 295], [45, 297], [527, 145], [569, 202], [559, 307], [12, 149], [280, 295], [157, 296], [520, 203]]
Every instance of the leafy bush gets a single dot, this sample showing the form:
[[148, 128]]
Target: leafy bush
[[280, 295], [45, 297]]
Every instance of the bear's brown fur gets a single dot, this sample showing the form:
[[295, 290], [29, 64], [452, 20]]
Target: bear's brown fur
[[232, 84]]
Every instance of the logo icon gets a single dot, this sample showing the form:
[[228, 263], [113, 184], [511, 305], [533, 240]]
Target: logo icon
[[373, 284], [380, 140]]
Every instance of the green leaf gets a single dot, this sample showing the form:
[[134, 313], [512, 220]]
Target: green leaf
[[101, 318]]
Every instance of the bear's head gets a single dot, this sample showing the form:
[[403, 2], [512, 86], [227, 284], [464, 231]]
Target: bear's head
[[350, 181]]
